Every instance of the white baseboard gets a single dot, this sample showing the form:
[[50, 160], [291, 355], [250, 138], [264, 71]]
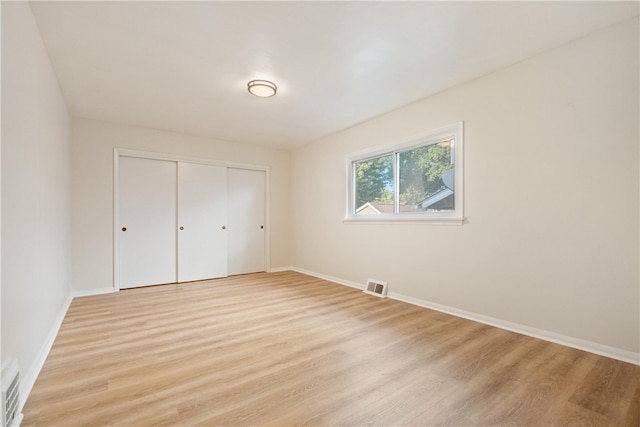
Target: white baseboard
[[568, 341], [29, 379], [90, 292], [280, 269], [330, 278]]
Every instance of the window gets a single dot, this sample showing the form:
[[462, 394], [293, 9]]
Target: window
[[420, 179]]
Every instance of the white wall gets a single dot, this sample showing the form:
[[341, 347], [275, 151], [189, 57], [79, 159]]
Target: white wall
[[92, 163], [36, 194], [551, 197]]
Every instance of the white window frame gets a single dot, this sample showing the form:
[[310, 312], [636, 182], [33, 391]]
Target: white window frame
[[452, 132]]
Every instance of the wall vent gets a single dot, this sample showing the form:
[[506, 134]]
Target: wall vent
[[10, 393], [376, 287]]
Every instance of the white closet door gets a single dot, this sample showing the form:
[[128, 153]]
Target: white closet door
[[202, 222], [246, 220], [147, 221]]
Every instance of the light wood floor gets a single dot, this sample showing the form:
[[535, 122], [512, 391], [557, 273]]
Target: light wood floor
[[287, 349]]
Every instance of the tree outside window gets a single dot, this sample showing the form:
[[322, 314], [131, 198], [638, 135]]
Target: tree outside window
[[418, 178]]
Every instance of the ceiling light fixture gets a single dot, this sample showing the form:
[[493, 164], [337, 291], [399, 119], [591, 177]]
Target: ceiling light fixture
[[262, 88]]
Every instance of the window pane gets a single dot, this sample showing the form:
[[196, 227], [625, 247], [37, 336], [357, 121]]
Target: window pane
[[426, 178], [374, 186]]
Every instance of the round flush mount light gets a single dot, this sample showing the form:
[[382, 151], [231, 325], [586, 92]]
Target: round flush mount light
[[262, 88]]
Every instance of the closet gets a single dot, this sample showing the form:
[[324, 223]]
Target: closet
[[182, 221]]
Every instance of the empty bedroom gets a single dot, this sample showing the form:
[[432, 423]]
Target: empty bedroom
[[320, 213]]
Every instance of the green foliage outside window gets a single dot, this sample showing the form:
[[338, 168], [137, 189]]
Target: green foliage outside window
[[421, 171], [420, 175], [374, 180]]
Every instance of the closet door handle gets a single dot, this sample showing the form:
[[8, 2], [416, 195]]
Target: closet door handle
[[124, 228], [261, 227], [224, 227], [181, 228]]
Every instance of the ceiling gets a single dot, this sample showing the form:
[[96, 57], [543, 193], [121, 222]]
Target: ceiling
[[184, 66]]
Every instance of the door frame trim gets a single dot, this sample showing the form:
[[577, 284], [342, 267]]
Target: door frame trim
[[125, 152]]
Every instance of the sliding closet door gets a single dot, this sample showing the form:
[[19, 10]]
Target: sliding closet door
[[147, 221], [202, 221], [246, 199]]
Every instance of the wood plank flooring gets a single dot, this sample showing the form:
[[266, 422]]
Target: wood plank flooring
[[285, 349]]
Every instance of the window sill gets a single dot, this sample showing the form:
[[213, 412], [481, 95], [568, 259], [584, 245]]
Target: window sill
[[405, 221]]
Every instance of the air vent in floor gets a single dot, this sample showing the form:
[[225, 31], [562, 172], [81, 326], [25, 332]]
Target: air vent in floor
[[376, 287], [10, 394]]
